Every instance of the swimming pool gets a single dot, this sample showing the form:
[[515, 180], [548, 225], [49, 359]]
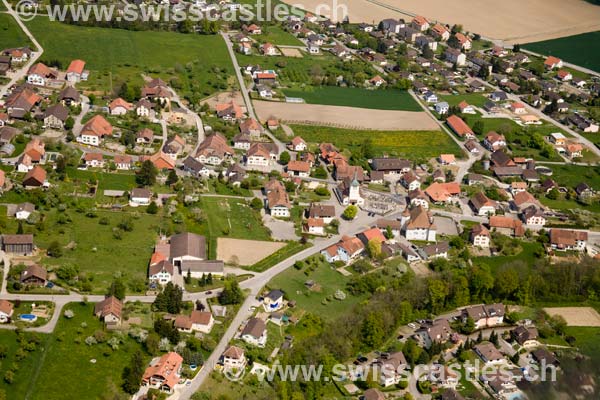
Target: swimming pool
[[27, 317]]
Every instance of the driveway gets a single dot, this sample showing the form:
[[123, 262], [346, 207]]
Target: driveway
[[280, 230]]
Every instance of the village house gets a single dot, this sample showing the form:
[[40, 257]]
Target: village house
[[119, 107], [418, 225], [435, 331], [21, 102], [144, 136], [393, 369], [418, 198], [6, 311], [564, 240], [40, 74], [441, 193], [233, 358], [410, 181], [165, 373], [488, 353], [255, 332], [298, 168], [297, 144], [229, 111], [214, 150], [421, 23], [440, 32], [278, 202], [55, 116], [523, 200], [197, 321], [160, 160], [435, 250], [69, 96], [34, 275], [196, 168], [392, 168], [525, 336], [261, 154], [346, 250], [442, 107], [94, 160], [480, 236], [485, 316], [174, 147], [76, 71], [455, 57], [161, 272], [123, 162], [273, 301], [109, 310], [268, 49], [140, 196], [482, 204], [144, 108], [507, 225], [18, 244], [320, 211], [463, 40], [24, 210], [553, 62], [95, 130], [494, 141], [242, 141], [35, 178], [466, 108], [533, 216], [252, 128], [460, 127]]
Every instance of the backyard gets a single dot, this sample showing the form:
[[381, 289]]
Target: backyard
[[277, 36], [418, 144], [198, 65], [390, 99]]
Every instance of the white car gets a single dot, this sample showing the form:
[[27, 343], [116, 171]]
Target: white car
[[413, 326]]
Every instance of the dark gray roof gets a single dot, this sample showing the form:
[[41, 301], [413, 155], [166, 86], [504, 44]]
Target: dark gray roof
[[255, 328], [203, 266], [389, 164], [188, 244]]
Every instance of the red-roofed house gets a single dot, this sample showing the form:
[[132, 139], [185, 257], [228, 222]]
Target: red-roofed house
[[421, 23], [119, 107], [371, 234], [460, 127], [553, 62], [94, 130], [165, 373], [299, 168], [564, 76], [39, 74], [76, 72]]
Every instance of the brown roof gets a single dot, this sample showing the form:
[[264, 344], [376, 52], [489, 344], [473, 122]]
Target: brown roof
[[480, 200], [321, 211], [166, 369], [35, 271], [6, 307], [35, 176], [201, 317], [300, 166], [459, 126], [565, 237], [17, 239], [234, 352], [419, 219], [278, 197], [480, 230], [110, 305], [42, 70], [97, 126], [500, 221], [76, 66], [214, 145], [57, 110], [188, 244], [162, 265], [93, 156], [249, 125], [392, 223], [119, 102], [255, 328]]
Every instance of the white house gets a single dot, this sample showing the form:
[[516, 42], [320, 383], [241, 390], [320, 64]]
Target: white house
[[234, 358], [140, 196], [24, 210], [161, 272], [255, 332], [442, 107], [480, 236], [273, 301], [418, 225], [198, 321], [6, 311]]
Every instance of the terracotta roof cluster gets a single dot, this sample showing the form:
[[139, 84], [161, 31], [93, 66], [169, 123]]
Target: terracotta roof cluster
[[214, 145], [441, 192], [502, 222], [277, 195], [97, 126], [230, 109], [563, 238], [108, 306], [166, 370]]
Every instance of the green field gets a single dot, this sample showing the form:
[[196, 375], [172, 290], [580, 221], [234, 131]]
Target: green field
[[572, 175], [582, 50], [277, 36], [232, 218], [292, 283], [411, 144], [199, 63], [21, 384], [65, 370], [11, 33], [389, 99], [474, 99]]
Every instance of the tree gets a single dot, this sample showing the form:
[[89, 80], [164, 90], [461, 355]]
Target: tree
[[374, 248], [172, 178], [350, 212], [478, 127], [117, 288], [169, 300], [284, 158], [152, 208], [372, 331], [132, 374], [553, 194], [389, 234], [61, 165], [54, 249], [256, 203], [69, 122], [146, 176], [231, 293], [516, 48]]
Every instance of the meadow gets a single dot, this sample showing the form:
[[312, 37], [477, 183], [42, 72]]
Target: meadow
[[277, 36], [582, 50], [11, 33], [389, 99], [197, 65], [418, 144]]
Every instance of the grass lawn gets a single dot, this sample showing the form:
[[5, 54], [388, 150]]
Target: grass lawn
[[587, 339], [232, 218], [565, 205], [292, 283], [277, 36], [66, 361], [573, 175], [285, 252], [12, 35], [411, 144], [381, 99], [583, 50], [200, 63], [92, 246], [527, 255], [106, 181], [22, 377]]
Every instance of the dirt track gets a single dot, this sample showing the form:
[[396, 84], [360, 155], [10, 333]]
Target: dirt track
[[345, 117], [514, 21]]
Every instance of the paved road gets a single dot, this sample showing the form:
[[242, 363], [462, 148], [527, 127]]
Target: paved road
[[34, 56], [244, 89]]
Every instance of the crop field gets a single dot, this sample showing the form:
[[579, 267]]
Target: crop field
[[199, 63], [583, 50], [11, 33], [389, 99], [421, 144]]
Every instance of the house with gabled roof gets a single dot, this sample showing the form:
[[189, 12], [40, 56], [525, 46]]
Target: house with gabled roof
[[165, 373], [109, 310], [460, 127], [40, 74], [565, 239], [119, 107], [6, 311], [95, 130], [76, 71], [480, 236], [482, 204], [417, 224]]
